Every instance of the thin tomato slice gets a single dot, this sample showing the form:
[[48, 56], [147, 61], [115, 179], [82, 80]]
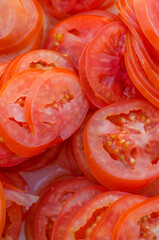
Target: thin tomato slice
[[139, 222], [105, 66], [94, 99], [105, 227], [83, 223], [138, 76], [72, 34], [63, 6], [121, 144], [147, 12], [78, 150], [15, 130], [84, 5], [71, 208], [62, 93], [51, 204]]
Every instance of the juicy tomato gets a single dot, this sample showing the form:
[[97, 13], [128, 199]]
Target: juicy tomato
[[63, 6], [94, 99], [51, 204], [13, 124], [139, 222], [148, 60], [63, 92], [147, 12], [105, 227], [121, 145], [70, 158], [72, 34], [105, 66], [2, 209], [13, 222], [83, 223], [72, 206], [138, 76], [78, 150], [2, 68]]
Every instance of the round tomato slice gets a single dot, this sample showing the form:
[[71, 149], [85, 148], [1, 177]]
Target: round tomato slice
[[71, 208], [121, 144], [62, 93], [72, 34], [148, 60], [83, 223], [78, 150], [105, 66], [13, 22], [33, 26], [51, 204], [2, 69], [14, 128], [105, 227], [64, 5], [2, 209], [139, 222], [13, 222], [147, 12], [138, 76], [94, 99]]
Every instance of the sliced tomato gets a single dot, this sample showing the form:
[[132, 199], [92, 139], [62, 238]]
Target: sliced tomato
[[2, 68], [94, 99], [13, 112], [148, 60], [72, 34], [72, 206], [70, 158], [151, 190], [105, 227], [121, 145], [138, 76], [147, 12], [51, 204], [105, 66], [106, 4], [2, 209], [83, 223], [78, 149], [13, 222], [139, 222], [53, 109]]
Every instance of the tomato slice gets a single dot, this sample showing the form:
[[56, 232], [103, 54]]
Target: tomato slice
[[51, 204], [14, 128], [105, 227], [147, 12], [138, 76], [13, 22], [13, 222], [78, 149], [139, 222], [2, 209], [62, 93], [2, 68], [71, 208], [106, 4], [121, 145], [105, 68], [83, 223], [148, 60], [72, 34], [94, 99]]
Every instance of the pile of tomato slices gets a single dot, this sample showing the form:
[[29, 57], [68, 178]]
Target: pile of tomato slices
[[79, 119]]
